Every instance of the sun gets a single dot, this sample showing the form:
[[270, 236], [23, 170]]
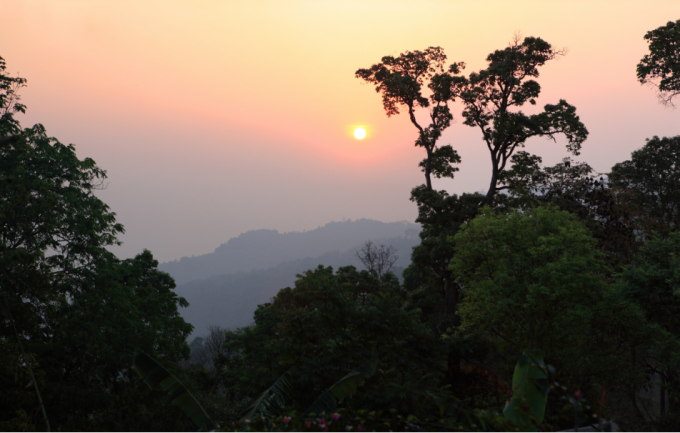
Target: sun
[[359, 133]]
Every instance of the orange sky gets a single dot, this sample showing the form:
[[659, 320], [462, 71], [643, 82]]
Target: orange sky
[[217, 117]]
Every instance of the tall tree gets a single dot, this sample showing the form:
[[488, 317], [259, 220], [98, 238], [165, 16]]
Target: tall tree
[[492, 96], [489, 98], [400, 80], [661, 67]]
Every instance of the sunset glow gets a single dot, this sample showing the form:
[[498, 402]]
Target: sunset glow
[[182, 101], [359, 133]]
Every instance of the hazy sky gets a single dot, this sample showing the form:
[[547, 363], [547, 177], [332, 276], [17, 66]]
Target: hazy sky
[[217, 117]]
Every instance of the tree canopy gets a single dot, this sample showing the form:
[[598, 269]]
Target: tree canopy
[[345, 319], [661, 67], [490, 95]]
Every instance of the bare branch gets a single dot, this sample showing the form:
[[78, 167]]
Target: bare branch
[[378, 260]]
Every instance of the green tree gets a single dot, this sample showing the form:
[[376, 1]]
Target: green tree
[[661, 67], [328, 325], [649, 182], [533, 280], [80, 312]]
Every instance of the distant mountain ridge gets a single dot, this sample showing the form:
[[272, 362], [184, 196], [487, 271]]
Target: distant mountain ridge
[[230, 300], [262, 249]]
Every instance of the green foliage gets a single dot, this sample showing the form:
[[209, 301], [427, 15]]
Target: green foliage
[[533, 279], [519, 269], [9, 102], [649, 183], [80, 312], [157, 377], [441, 215], [661, 67], [17, 398], [48, 203], [526, 408], [327, 325], [274, 399], [653, 281]]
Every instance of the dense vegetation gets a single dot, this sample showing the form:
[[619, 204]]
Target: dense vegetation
[[551, 300]]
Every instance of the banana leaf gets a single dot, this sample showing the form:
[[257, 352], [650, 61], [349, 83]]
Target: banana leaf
[[157, 377], [526, 408], [345, 387], [271, 401]]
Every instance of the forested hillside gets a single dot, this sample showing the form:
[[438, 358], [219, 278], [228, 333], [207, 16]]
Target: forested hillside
[[230, 300], [261, 249]]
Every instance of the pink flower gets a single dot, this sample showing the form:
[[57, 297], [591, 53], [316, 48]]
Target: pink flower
[[323, 421], [359, 428], [578, 394], [336, 416], [309, 424], [286, 420]]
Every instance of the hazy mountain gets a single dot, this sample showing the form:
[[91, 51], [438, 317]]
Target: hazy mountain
[[261, 249], [230, 300]]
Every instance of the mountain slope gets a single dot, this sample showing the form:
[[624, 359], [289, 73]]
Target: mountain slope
[[230, 300], [262, 249]]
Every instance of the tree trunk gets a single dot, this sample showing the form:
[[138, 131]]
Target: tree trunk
[[428, 181], [494, 180]]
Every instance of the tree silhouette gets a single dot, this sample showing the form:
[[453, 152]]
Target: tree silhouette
[[661, 67], [400, 80], [490, 95]]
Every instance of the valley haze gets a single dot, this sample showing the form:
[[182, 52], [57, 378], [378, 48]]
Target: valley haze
[[224, 287]]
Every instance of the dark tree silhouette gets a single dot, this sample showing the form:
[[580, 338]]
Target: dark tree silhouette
[[400, 80], [492, 95], [661, 67]]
